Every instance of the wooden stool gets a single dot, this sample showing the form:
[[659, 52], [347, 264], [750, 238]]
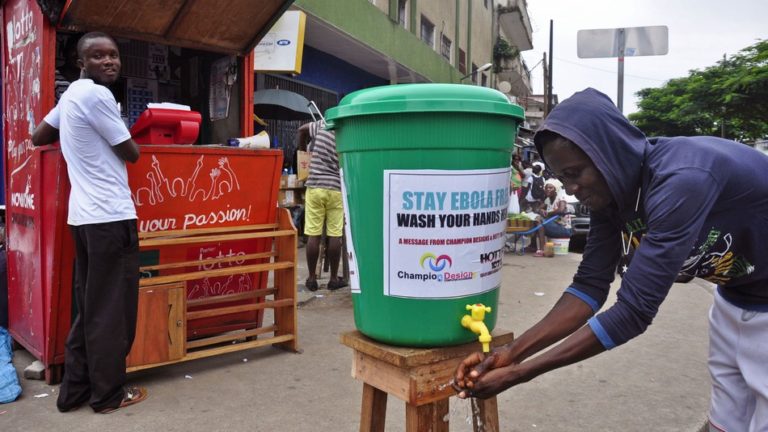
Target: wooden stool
[[418, 376]]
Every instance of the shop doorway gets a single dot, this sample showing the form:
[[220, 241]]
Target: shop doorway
[[283, 132]]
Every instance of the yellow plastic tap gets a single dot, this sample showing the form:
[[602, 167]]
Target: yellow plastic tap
[[475, 323]]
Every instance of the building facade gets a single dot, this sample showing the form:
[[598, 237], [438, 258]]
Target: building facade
[[355, 44]]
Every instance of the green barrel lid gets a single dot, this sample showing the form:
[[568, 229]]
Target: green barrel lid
[[412, 98]]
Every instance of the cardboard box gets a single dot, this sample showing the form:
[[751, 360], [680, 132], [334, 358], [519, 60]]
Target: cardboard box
[[302, 165], [286, 198]]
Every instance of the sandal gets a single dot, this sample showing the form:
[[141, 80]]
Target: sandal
[[539, 253], [336, 284], [311, 285], [133, 395]]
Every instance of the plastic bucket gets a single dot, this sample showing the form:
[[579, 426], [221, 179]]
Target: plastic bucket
[[561, 245], [426, 186]]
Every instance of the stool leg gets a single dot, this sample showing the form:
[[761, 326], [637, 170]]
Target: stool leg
[[441, 416], [485, 415], [432, 417], [374, 409]]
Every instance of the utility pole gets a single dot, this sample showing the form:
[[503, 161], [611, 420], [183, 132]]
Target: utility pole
[[722, 122], [550, 98], [545, 72], [620, 91]]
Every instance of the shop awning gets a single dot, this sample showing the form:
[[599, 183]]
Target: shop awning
[[225, 26]]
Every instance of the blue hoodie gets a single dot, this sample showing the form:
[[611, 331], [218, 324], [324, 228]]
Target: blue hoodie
[[702, 212]]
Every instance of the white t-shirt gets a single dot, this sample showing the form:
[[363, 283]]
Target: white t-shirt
[[527, 176], [89, 125]]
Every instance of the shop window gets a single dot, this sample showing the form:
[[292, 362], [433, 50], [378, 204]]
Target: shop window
[[427, 31], [462, 61], [402, 13], [445, 48]]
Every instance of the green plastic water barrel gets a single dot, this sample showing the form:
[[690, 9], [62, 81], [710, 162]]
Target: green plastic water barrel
[[426, 186]]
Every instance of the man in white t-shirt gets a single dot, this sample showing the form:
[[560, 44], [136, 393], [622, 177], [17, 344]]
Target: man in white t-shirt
[[102, 218]]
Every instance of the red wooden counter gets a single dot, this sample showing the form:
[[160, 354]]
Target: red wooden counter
[[176, 189]]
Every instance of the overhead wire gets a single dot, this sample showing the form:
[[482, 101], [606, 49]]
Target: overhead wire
[[608, 71]]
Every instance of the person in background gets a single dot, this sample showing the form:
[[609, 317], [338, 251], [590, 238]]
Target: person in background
[[532, 202], [69, 71], [698, 205], [526, 172], [102, 218], [515, 184], [323, 203], [553, 205], [535, 193]]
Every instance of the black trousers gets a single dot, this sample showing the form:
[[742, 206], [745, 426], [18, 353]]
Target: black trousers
[[106, 291]]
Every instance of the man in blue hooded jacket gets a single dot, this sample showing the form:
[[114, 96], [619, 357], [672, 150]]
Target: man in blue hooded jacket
[[696, 207]]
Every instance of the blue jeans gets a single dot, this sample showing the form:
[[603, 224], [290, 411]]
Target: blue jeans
[[555, 230]]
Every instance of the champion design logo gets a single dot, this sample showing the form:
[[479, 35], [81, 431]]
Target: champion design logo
[[436, 263]]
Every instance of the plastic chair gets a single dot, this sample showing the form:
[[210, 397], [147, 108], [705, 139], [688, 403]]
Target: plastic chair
[[516, 235]]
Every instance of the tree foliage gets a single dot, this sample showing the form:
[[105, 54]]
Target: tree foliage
[[729, 99]]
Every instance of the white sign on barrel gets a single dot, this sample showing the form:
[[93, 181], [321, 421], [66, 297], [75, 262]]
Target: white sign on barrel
[[444, 231]]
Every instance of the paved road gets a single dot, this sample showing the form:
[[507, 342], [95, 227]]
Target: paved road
[[658, 382]]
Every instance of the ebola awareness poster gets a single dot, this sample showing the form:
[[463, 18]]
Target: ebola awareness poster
[[444, 231]]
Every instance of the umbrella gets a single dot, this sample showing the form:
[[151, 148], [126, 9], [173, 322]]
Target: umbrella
[[279, 104]]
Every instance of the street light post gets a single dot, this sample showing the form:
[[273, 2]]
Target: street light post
[[482, 68]]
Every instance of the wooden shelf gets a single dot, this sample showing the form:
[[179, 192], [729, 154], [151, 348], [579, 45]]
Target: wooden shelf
[[164, 311], [518, 229]]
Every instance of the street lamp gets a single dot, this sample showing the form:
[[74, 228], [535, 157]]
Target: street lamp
[[482, 68]]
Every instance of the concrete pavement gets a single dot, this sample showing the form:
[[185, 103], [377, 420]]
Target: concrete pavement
[[657, 382]]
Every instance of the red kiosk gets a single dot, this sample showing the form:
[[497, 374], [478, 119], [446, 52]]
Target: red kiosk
[[210, 228]]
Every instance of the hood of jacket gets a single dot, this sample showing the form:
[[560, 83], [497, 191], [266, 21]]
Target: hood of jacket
[[616, 147]]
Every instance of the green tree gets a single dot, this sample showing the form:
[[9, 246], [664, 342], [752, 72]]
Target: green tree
[[729, 99]]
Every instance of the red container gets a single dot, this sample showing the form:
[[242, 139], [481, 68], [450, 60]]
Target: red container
[[166, 126]]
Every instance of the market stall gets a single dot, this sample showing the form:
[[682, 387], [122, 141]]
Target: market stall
[[210, 228]]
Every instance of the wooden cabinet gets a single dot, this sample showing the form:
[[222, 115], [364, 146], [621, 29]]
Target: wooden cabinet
[[165, 312], [161, 325]]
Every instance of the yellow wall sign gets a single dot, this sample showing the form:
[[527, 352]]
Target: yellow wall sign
[[281, 49]]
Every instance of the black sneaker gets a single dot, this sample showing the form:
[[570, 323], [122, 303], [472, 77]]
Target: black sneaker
[[336, 284], [311, 285]]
